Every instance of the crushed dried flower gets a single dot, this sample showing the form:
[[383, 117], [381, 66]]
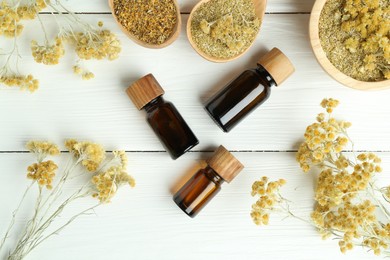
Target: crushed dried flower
[[355, 37], [149, 21], [224, 28]]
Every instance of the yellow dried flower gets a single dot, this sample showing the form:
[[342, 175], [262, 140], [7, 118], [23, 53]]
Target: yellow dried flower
[[122, 157], [77, 70], [343, 185], [269, 199], [23, 82], [88, 76], [9, 21], [48, 54], [368, 22], [43, 173], [322, 138], [89, 154], [107, 183], [98, 44], [43, 147]]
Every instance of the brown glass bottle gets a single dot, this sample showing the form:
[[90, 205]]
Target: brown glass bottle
[[249, 90], [170, 127], [206, 183]]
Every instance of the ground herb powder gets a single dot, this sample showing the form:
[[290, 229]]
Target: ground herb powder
[[224, 28], [150, 21], [355, 37]]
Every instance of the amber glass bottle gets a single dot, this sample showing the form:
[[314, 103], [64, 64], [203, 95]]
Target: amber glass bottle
[[170, 127], [206, 183], [249, 90]]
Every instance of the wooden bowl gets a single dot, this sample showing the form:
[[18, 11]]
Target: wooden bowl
[[171, 39], [327, 65], [259, 10]]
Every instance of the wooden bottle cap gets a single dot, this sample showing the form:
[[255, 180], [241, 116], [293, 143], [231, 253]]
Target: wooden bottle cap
[[225, 164], [144, 90], [277, 64]]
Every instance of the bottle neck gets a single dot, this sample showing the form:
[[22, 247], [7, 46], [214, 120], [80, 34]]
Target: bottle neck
[[213, 176], [265, 75], [154, 104]]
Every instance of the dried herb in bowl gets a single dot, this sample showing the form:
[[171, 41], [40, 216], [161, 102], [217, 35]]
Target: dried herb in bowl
[[150, 21], [355, 34], [224, 29]]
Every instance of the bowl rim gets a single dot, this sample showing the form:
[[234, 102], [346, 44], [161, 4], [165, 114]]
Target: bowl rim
[[263, 4], [170, 40], [327, 65]]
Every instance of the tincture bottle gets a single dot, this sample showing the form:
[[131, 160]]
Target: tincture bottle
[[249, 90], [206, 183], [170, 127]]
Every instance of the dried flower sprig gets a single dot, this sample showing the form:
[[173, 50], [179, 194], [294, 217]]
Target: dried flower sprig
[[346, 194], [269, 199], [88, 41], [101, 177]]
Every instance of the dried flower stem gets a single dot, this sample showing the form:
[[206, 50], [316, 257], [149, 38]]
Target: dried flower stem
[[14, 216]]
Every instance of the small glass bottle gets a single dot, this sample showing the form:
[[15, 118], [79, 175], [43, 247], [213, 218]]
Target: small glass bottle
[[249, 90], [206, 183], [170, 127]]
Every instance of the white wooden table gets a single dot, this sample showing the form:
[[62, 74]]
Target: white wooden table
[[144, 223]]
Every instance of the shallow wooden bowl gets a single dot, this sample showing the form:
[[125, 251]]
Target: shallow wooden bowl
[[327, 65], [259, 10], [171, 39]]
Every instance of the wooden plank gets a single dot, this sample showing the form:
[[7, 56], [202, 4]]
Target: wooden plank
[[65, 106], [144, 223], [186, 5]]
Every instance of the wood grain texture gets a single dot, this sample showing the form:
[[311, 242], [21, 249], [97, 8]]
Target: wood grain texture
[[65, 106], [101, 6], [144, 222]]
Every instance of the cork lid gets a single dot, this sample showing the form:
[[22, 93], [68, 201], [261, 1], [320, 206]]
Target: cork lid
[[225, 164], [277, 64], [144, 90]]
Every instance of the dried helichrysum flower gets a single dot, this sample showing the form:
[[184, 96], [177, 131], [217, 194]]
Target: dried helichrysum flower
[[224, 29], [97, 44], [48, 54], [9, 21], [337, 186], [107, 182], [11, 16], [355, 222], [269, 199], [323, 138], [368, 22], [23, 82], [87, 75], [151, 22], [90, 154], [77, 70], [344, 186], [122, 157], [43, 173], [43, 147]]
